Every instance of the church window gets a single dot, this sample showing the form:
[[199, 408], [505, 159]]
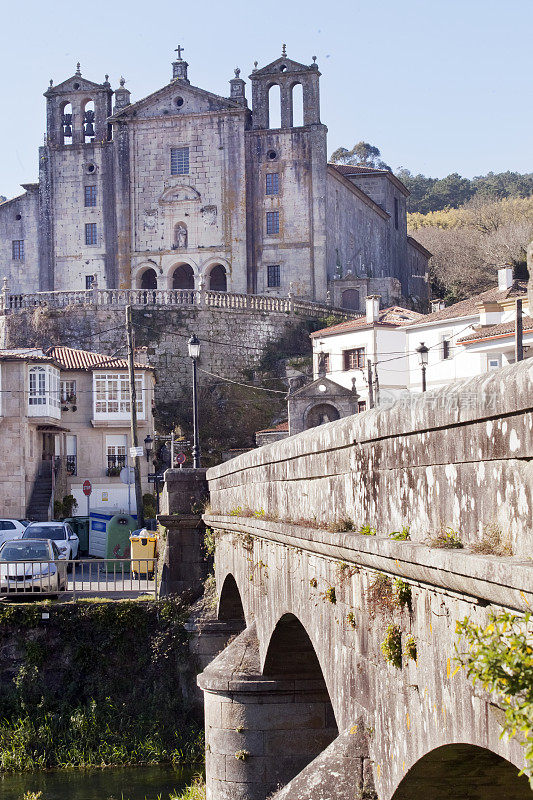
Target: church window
[[90, 196], [18, 250], [272, 222], [396, 213], [88, 122], [178, 101], [273, 275], [354, 359], [91, 236], [272, 183], [179, 161], [272, 155]]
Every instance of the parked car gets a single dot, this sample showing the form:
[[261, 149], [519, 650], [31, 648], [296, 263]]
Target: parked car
[[11, 529], [32, 565], [61, 533]]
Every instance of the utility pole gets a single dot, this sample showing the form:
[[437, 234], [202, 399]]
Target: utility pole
[[133, 410], [370, 384], [519, 336]]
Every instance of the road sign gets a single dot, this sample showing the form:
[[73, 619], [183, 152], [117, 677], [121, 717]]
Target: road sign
[[127, 475], [87, 488], [136, 451], [181, 443], [154, 477], [181, 458]]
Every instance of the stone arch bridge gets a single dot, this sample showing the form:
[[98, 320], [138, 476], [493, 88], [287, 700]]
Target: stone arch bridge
[[302, 704]]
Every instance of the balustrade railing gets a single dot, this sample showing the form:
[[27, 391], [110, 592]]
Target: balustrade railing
[[168, 297]]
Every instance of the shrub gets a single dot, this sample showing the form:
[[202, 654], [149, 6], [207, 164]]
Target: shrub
[[366, 530], [401, 536], [410, 648], [350, 619], [402, 593], [341, 525], [391, 646], [379, 595], [493, 542], [447, 539]]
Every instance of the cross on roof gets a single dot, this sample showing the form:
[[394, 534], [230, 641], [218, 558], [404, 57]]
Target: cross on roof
[[178, 50]]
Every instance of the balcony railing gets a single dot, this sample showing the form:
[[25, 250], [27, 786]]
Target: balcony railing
[[114, 465], [170, 298]]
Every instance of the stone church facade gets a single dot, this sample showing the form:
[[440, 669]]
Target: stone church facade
[[185, 190]]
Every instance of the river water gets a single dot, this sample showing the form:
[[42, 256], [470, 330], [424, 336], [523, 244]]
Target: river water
[[116, 783]]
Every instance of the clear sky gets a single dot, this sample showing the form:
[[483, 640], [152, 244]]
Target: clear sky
[[439, 86]]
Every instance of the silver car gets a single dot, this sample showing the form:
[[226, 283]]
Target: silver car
[[32, 565], [61, 533]]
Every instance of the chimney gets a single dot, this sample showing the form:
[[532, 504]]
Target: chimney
[[372, 308], [505, 278], [437, 305]]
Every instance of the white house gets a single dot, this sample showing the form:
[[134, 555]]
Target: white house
[[374, 344], [469, 337]]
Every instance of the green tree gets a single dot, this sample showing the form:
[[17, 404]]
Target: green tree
[[500, 657], [362, 154]]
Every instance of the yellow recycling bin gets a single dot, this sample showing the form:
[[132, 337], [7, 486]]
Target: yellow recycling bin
[[143, 546]]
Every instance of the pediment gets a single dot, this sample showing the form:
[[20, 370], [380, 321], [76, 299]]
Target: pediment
[[75, 84], [332, 389], [164, 102], [179, 194], [276, 67]]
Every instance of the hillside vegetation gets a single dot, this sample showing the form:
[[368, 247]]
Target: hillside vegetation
[[470, 243]]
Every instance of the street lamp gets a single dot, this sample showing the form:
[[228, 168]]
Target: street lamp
[[148, 445], [423, 353], [194, 353]]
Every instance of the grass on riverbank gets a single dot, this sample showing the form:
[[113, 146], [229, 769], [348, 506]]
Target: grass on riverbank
[[196, 791], [96, 685]]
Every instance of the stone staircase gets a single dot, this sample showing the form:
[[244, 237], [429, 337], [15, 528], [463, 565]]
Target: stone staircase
[[41, 494]]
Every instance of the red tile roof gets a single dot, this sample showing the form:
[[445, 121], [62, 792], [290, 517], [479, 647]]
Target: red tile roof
[[469, 307], [281, 428], [25, 354], [71, 358], [502, 330], [395, 316]]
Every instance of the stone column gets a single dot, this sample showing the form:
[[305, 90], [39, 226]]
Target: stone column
[[185, 565], [260, 731]]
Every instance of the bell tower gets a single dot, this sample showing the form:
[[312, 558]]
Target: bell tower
[[77, 227], [286, 187]]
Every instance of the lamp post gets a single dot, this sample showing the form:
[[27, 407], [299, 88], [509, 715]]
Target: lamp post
[[194, 353], [423, 353], [148, 445]]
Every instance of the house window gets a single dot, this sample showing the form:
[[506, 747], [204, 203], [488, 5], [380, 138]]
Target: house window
[[272, 183], [90, 196], [361, 406], [18, 249], [272, 222], [68, 391], [354, 359], [446, 351], [179, 161], [44, 392], [89, 280], [72, 455], [494, 362], [396, 213], [116, 454], [112, 395], [90, 233], [273, 276]]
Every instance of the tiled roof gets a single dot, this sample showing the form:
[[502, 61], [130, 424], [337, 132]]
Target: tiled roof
[[71, 358], [469, 307], [281, 428], [495, 331], [395, 316], [25, 354], [348, 169]]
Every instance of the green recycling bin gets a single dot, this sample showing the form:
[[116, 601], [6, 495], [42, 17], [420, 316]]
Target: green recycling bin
[[80, 526]]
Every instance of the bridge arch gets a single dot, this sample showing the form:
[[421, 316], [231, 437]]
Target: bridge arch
[[463, 770], [230, 606]]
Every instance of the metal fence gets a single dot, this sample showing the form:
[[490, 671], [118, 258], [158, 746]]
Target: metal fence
[[119, 578]]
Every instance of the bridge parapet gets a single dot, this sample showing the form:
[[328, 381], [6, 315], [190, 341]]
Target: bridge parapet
[[461, 456]]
